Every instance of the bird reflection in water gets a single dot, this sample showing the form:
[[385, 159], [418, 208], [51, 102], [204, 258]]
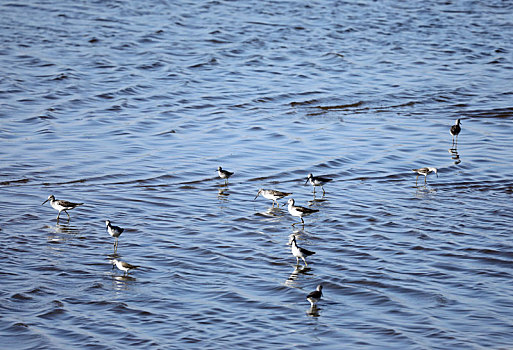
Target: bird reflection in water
[[222, 192], [424, 192], [455, 155], [298, 270], [62, 233], [123, 283], [271, 212], [313, 311]]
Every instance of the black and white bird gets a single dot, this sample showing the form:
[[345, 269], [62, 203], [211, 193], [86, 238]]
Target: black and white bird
[[315, 296], [297, 251], [224, 174], [317, 181], [298, 211], [455, 130], [425, 172], [123, 266], [273, 195], [114, 231], [61, 205]]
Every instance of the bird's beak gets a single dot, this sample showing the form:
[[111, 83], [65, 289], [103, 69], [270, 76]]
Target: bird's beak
[[44, 202], [257, 195], [306, 181]]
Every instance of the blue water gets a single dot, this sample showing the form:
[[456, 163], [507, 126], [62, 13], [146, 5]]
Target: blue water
[[131, 106]]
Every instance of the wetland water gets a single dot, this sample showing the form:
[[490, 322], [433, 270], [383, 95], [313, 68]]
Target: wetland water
[[131, 106]]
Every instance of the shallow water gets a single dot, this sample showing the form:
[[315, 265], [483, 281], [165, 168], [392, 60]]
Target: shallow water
[[130, 107]]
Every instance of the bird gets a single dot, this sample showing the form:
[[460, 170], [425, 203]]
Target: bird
[[425, 172], [455, 130], [224, 174], [114, 231], [61, 205], [315, 296], [299, 211], [273, 195], [297, 251], [123, 266], [317, 181]]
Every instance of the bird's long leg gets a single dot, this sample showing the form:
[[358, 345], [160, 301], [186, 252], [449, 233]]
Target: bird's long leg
[[68, 215], [425, 179], [323, 192], [304, 261], [417, 180], [302, 221], [297, 260]]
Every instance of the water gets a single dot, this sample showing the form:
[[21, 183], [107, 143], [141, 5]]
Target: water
[[131, 106]]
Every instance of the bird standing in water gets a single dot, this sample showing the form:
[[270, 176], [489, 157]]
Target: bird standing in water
[[425, 172], [298, 211], [61, 205], [315, 296], [273, 195], [455, 130], [317, 181], [114, 231], [299, 252], [224, 174]]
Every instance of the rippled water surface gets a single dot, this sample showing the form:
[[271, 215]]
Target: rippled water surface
[[130, 107]]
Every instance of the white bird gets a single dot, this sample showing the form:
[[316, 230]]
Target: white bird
[[123, 266], [273, 195], [61, 205], [297, 251], [114, 231], [298, 211], [317, 181], [425, 172], [315, 296], [224, 174]]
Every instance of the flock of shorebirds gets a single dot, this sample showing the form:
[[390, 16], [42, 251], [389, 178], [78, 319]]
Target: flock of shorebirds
[[274, 195]]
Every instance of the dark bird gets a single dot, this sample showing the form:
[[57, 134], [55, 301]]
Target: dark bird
[[455, 130], [315, 296], [224, 174]]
